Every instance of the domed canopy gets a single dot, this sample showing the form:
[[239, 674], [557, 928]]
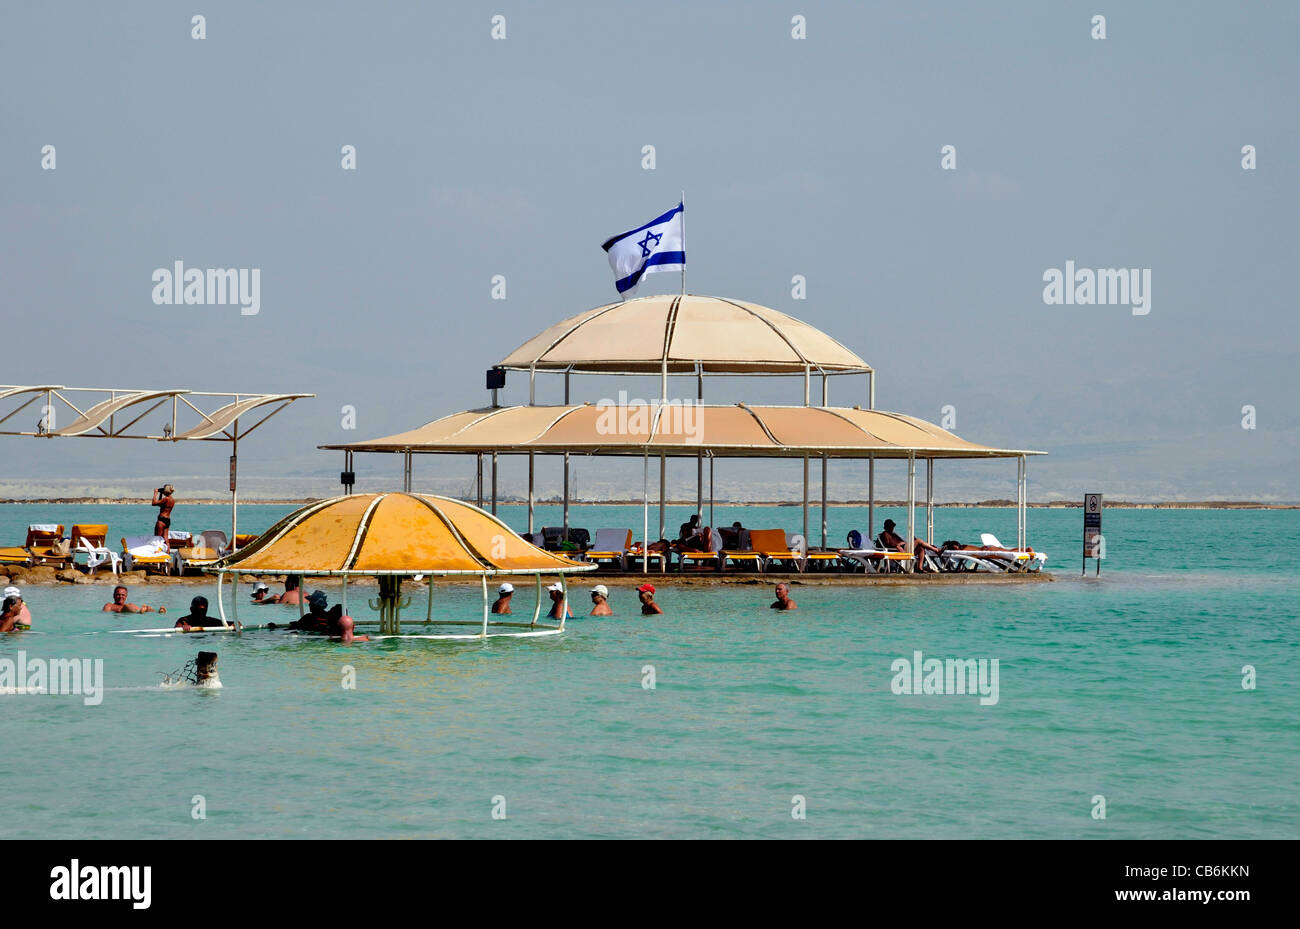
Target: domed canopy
[[682, 331], [393, 533]]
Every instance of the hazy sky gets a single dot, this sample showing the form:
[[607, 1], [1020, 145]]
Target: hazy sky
[[820, 157]]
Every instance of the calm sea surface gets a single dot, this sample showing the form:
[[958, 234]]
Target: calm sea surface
[[1128, 687]]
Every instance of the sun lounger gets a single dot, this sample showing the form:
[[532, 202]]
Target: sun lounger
[[874, 560], [711, 554], [812, 556], [242, 539], [610, 545], [634, 554], [146, 551], [205, 550], [179, 538], [746, 552], [773, 546], [1020, 560], [90, 539], [43, 546]]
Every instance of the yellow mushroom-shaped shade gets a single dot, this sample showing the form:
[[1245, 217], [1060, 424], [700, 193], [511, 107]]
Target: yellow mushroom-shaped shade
[[396, 533]]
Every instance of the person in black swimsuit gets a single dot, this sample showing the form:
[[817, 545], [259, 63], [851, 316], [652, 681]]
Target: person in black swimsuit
[[163, 499]]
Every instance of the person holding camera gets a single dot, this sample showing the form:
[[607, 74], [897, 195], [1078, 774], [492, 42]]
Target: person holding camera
[[162, 498]]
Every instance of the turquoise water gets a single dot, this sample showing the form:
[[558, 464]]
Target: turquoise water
[[1127, 686]]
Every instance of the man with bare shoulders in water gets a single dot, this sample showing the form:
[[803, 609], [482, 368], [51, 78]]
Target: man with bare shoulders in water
[[163, 499]]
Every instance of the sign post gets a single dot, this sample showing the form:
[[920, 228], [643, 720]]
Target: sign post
[[1094, 546]]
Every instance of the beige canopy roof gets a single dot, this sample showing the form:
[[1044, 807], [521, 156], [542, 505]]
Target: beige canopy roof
[[393, 533], [739, 431], [683, 331]]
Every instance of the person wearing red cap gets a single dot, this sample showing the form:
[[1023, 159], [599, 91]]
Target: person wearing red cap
[[646, 594]]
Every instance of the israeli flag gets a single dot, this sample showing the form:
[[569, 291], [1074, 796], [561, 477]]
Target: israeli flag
[[659, 245]]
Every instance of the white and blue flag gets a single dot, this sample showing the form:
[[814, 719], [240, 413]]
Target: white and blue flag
[[659, 245]]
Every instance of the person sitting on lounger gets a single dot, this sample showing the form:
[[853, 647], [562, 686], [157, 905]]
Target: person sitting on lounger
[[24, 615], [163, 499], [783, 601], [119, 604], [646, 594], [332, 622], [558, 602], [891, 540], [600, 601], [731, 537], [198, 617], [504, 593]]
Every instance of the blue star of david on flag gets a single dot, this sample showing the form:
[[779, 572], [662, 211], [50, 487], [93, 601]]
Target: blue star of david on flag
[[662, 248], [648, 236]]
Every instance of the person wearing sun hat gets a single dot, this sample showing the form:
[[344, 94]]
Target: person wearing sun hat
[[646, 594], [558, 602], [260, 592], [600, 601], [504, 593]]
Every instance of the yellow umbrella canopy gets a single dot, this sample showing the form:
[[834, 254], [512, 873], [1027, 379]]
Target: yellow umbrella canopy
[[393, 534], [679, 332]]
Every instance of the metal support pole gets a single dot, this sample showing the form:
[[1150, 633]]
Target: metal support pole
[[807, 384], [825, 389], [911, 508], [483, 578], [494, 483], [699, 456], [871, 496], [711, 517], [823, 501], [645, 513], [663, 476], [566, 482], [234, 493], [530, 491], [478, 481], [929, 500], [805, 497], [871, 390]]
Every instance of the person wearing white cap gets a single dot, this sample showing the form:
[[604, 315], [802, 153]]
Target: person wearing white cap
[[600, 601], [504, 593], [558, 602], [13, 611], [24, 615], [260, 592]]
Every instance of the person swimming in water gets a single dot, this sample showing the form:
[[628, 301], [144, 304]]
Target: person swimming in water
[[783, 601], [646, 594], [292, 595], [600, 601], [198, 617], [558, 602], [24, 615], [11, 615], [119, 604], [333, 622], [502, 602]]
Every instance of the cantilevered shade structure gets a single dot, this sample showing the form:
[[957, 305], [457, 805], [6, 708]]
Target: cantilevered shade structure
[[738, 430], [393, 534], [683, 334]]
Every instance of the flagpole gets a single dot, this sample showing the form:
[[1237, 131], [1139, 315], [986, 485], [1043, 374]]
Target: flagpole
[[683, 201]]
